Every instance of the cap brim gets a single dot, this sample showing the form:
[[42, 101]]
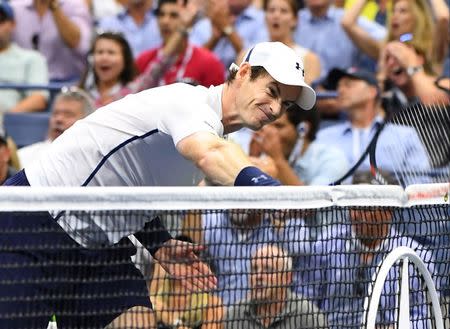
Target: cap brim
[[307, 98]]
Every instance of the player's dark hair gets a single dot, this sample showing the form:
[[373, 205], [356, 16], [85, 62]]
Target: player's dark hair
[[256, 72], [296, 115]]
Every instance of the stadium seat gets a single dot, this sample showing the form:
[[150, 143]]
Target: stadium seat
[[26, 128]]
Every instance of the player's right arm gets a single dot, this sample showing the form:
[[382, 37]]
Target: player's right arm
[[222, 162]]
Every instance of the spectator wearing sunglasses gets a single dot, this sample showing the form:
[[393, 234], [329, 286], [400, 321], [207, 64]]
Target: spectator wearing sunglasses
[[19, 66], [60, 29]]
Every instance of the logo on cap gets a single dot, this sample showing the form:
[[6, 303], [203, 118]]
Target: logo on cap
[[297, 66]]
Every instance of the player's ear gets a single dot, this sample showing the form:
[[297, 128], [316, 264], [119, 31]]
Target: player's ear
[[244, 70]]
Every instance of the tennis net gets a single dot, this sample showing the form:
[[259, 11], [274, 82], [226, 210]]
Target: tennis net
[[288, 257]]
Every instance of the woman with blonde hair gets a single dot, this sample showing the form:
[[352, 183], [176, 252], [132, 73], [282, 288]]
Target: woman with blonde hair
[[427, 25]]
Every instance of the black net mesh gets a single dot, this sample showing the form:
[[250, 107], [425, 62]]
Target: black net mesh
[[305, 268]]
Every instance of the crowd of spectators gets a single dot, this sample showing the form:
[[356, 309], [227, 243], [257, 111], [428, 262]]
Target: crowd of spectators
[[377, 57]]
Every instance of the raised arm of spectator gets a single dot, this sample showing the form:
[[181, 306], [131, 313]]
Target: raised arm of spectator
[[359, 36], [34, 103], [441, 43], [222, 20], [75, 31], [424, 86]]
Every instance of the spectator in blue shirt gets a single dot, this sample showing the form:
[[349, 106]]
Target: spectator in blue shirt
[[231, 237], [319, 29], [349, 257], [229, 27], [399, 148], [137, 23]]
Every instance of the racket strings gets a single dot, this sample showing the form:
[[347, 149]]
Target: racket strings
[[432, 124]]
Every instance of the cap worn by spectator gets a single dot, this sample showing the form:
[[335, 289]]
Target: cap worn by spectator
[[336, 74], [6, 11]]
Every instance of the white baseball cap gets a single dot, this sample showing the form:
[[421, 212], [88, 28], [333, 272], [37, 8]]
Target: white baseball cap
[[284, 65]]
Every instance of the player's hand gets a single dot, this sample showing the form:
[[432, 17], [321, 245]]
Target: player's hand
[[179, 260]]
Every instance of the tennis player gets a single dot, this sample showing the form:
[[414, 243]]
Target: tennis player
[[171, 135]]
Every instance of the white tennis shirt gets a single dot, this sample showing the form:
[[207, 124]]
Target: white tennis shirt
[[130, 142]]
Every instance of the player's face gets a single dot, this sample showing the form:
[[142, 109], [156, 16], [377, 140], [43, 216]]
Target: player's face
[[402, 20], [263, 100], [108, 60], [353, 93], [168, 20], [65, 113], [280, 19]]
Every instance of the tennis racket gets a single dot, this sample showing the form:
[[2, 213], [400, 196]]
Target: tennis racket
[[418, 148]]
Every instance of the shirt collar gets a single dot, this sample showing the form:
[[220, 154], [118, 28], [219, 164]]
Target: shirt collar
[[347, 126]]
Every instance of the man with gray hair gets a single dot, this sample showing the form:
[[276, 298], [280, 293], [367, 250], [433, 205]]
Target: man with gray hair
[[70, 105], [271, 303]]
